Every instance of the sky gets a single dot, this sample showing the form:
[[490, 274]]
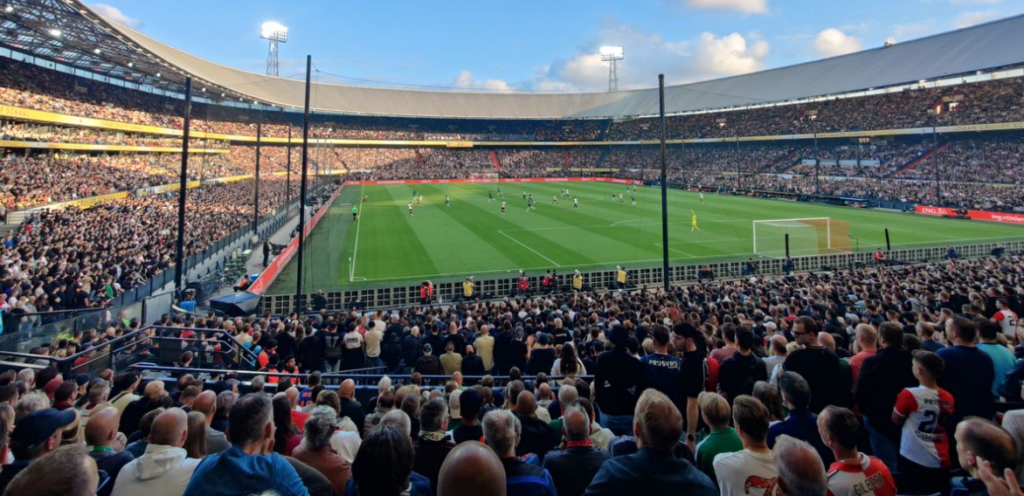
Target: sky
[[532, 45]]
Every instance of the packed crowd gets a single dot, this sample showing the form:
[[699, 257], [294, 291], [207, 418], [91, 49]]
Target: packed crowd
[[977, 160], [876, 381], [407, 163], [21, 131], [74, 258], [977, 103]]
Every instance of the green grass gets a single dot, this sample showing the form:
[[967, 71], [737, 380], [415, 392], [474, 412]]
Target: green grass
[[387, 246]]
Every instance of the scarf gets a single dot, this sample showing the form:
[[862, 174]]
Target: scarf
[[435, 436]]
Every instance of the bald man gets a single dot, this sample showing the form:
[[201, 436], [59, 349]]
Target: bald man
[[799, 468], [537, 437], [105, 446], [471, 469], [134, 411], [165, 469], [573, 468], [216, 441], [67, 471], [349, 406], [979, 438], [298, 417]]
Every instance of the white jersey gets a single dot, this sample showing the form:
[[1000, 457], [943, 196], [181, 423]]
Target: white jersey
[[1007, 320], [924, 439], [745, 472]]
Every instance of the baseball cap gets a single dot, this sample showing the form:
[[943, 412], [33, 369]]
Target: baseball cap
[[38, 426], [427, 348], [51, 387]]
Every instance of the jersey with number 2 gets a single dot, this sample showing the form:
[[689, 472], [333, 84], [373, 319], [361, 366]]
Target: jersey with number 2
[[925, 440]]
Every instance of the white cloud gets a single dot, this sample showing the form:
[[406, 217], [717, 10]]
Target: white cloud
[[729, 55], [465, 81], [115, 14], [648, 54], [968, 19], [831, 42], [744, 6]]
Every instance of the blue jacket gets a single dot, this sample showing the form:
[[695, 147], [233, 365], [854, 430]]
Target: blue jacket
[[803, 425], [234, 472], [527, 479], [648, 472]]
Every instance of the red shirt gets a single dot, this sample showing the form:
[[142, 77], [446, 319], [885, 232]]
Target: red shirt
[[299, 419], [865, 477]]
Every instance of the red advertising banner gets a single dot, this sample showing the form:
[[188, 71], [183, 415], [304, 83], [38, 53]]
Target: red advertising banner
[[472, 181], [270, 273], [971, 214]]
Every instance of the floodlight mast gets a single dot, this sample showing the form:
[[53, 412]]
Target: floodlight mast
[[276, 33], [612, 55]]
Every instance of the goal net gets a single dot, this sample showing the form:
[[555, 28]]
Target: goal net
[[809, 236]]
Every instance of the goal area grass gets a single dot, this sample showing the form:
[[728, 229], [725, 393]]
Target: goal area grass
[[388, 246]]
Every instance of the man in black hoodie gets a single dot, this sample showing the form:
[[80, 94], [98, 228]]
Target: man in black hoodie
[[881, 379], [618, 382], [742, 370]]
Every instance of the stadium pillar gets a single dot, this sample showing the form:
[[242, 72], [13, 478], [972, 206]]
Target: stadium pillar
[[302, 187], [288, 173], [256, 199], [666, 273], [935, 148], [179, 249]]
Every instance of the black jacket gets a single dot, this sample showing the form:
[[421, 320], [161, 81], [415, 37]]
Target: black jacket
[[429, 365], [353, 410], [429, 457], [411, 349], [472, 364], [537, 437], [650, 471], [541, 360], [572, 469], [738, 374], [618, 382], [881, 379]]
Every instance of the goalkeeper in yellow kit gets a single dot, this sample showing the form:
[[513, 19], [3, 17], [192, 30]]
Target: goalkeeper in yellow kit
[[693, 222]]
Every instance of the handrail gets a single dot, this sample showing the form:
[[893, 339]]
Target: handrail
[[246, 351], [254, 373]]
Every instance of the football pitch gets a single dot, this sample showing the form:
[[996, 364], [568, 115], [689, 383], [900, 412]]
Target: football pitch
[[388, 246]]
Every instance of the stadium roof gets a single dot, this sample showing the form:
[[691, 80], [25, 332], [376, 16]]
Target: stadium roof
[[987, 46]]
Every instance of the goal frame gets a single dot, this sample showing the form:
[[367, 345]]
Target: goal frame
[[828, 227]]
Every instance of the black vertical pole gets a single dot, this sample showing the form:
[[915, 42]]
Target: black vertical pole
[[256, 197], [738, 185], [302, 185], [288, 173], [664, 183], [817, 164], [179, 251], [935, 157]]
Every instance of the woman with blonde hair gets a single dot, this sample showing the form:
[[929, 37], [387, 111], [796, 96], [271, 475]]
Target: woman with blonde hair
[[195, 442]]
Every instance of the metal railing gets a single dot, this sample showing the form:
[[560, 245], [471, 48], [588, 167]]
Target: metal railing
[[450, 290]]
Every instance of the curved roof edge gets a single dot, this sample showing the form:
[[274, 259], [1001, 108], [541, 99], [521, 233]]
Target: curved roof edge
[[987, 46]]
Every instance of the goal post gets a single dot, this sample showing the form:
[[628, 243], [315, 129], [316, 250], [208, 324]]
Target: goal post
[[807, 236]]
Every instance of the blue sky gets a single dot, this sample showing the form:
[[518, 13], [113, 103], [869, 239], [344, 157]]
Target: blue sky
[[534, 45]]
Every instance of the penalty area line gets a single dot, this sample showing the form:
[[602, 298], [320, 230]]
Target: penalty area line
[[520, 243]]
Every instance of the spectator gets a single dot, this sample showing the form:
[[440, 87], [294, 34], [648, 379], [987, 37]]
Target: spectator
[[349, 406], [574, 467], [750, 467], [471, 469], [68, 471], [738, 373], [216, 441], [106, 445], [384, 464], [655, 469], [315, 451], [433, 445], [882, 377], [133, 412], [249, 466], [385, 403], [867, 346], [286, 435], [924, 449], [164, 469], [502, 432], [472, 364], [451, 362], [661, 370], [428, 364], [195, 442], [694, 372], [853, 473], [799, 468], [714, 411], [618, 380], [537, 437], [34, 436], [470, 404], [1003, 360], [816, 364], [981, 439], [965, 368], [484, 345], [800, 423]]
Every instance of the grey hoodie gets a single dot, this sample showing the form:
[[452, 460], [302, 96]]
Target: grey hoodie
[[162, 471]]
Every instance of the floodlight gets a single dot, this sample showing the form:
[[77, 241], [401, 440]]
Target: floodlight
[[55, 33], [612, 54], [276, 33]]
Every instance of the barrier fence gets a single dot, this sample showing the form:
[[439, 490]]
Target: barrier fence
[[450, 290]]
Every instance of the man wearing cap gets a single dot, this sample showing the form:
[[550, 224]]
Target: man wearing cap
[[428, 364], [34, 436]]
